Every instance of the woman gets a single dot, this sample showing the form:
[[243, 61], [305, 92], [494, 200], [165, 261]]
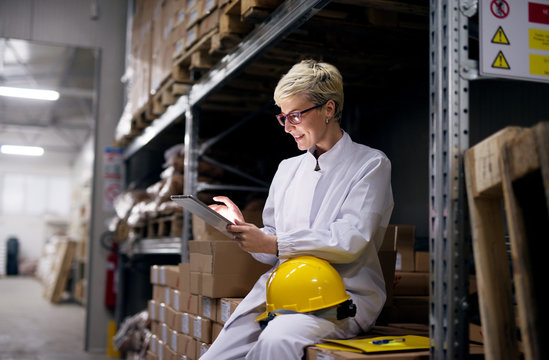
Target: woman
[[332, 202]]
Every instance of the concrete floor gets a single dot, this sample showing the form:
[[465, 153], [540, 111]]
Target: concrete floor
[[32, 328]]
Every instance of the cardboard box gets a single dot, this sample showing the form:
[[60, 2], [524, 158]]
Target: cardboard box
[[405, 239], [422, 261], [153, 309], [150, 355], [208, 23], [159, 293], [204, 232], [207, 307], [172, 276], [165, 332], [184, 278], [225, 308], [185, 302], [162, 312], [201, 348], [155, 327], [411, 283], [221, 285], [170, 315], [186, 345], [162, 274], [216, 329], [224, 257], [202, 328]]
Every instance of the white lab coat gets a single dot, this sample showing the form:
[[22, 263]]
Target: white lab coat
[[338, 213]]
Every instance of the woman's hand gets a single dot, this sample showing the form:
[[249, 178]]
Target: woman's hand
[[252, 239], [229, 210]]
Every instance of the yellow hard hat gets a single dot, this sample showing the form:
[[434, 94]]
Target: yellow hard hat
[[303, 284]]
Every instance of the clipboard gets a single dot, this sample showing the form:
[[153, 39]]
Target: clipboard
[[198, 208]]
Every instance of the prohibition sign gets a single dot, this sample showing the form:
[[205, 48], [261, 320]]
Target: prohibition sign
[[499, 8]]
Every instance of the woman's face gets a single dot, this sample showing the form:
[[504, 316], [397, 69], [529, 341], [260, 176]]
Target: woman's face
[[313, 129]]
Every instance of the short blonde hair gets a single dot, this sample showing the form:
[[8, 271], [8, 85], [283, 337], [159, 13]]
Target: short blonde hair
[[318, 81]]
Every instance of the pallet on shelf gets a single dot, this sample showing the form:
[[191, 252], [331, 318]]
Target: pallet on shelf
[[511, 166], [256, 11], [165, 226], [167, 95]]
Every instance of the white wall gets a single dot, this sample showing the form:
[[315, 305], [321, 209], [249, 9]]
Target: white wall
[[75, 22], [31, 230]]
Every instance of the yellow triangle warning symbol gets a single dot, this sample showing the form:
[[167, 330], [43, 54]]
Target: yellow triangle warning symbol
[[500, 62], [500, 37]]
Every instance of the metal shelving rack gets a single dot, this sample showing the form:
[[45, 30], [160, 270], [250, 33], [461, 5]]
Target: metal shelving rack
[[450, 72]]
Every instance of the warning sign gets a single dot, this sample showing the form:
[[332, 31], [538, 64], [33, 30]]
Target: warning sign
[[500, 62], [500, 37], [514, 39], [499, 8]]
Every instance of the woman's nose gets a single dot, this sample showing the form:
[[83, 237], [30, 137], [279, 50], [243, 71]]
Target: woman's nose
[[288, 126]]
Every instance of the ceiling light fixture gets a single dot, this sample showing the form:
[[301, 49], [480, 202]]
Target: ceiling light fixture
[[22, 150], [37, 94]]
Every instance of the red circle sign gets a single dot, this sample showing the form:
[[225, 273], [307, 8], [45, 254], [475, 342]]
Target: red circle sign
[[499, 8]]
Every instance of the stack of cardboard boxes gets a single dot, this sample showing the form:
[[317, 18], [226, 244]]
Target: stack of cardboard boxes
[[410, 300], [192, 301]]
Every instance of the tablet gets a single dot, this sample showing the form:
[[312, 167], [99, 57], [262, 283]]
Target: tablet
[[198, 208]]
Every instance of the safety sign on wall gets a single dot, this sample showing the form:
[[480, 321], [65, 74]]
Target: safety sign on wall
[[113, 176], [514, 39]]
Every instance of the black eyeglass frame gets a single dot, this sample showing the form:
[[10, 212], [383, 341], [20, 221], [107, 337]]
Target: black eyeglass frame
[[282, 117]]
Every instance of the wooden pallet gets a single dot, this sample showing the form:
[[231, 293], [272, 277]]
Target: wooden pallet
[[510, 166], [56, 281], [256, 11], [167, 95], [165, 226]]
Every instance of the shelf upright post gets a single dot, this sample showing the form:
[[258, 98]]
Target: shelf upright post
[[191, 173], [449, 138]]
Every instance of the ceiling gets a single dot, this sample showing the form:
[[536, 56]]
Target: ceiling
[[61, 127]]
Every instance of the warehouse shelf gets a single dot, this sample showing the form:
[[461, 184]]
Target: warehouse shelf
[[290, 15], [153, 246]]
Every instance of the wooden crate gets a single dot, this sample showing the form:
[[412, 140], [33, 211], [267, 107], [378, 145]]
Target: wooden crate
[[510, 166]]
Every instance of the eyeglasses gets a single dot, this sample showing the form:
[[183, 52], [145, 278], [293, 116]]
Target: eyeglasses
[[295, 116]]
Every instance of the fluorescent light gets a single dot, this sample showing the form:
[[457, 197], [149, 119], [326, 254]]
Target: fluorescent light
[[36, 94], [22, 150]]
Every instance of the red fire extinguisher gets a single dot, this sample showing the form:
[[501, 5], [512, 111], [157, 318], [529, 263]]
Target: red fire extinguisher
[[110, 281]]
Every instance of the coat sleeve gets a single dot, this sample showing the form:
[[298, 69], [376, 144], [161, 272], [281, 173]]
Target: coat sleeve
[[360, 220]]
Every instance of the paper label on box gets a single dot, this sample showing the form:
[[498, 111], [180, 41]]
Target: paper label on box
[[161, 311], [191, 3], [398, 263], [322, 356], [160, 351], [152, 310], [175, 299], [155, 274], [209, 5], [180, 17], [185, 323], [206, 307], [164, 333], [203, 349], [163, 276], [154, 345], [167, 296], [225, 310], [193, 16], [173, 343], [197, 327]]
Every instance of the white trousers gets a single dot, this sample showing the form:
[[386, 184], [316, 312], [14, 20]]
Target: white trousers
[[285, 337]]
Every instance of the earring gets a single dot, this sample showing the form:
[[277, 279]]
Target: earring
[[327, 121]]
